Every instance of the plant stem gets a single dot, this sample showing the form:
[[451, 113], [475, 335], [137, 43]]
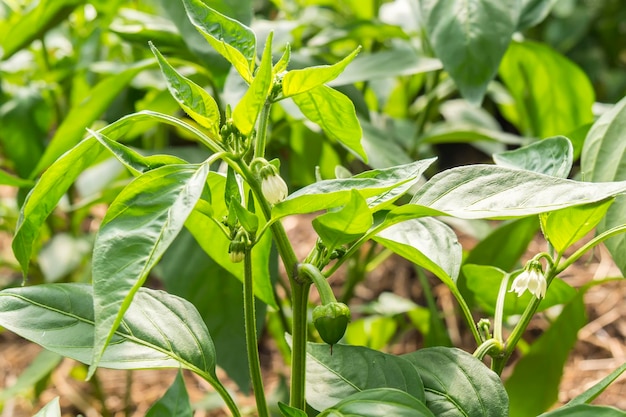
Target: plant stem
[[323, 288], [497, 325], [252, 345], [261, 138], [485, 347], [593, 242], [467, 314]]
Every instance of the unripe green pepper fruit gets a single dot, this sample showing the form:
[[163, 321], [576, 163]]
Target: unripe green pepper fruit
[[331, 321]]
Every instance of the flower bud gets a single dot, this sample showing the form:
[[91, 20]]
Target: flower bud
[[237, 251], [273, 186], [531, 279], [331, 321]]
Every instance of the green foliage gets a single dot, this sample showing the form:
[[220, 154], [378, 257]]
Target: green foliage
[[175, 402]]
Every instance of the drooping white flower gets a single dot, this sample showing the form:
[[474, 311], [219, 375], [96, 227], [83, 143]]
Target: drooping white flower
[[531, 279], [273, 186]]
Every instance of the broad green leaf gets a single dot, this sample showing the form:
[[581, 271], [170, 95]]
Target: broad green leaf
[[427, 242], [552, 156], [233, 40], [533, 12], [538, 373], [372, 332], [335, 114], [593, 392], [470, 38], [213, 241], [22, 29], [567, 226], [406, 61], [174, 403], [249, 221], [288, 411], [458, 384], [488, 191], [247, 110], [52, 409], [193, 99], [380, 402], [604, 159], [139, 225], [339, 227], [543, 84], [58, 178], [381, 151], [99, 98], [303, 80], [376, 185], [352, 369], [135, 162], [13, 181], [158, 331], [484, 282], [584, 410], [455, 132], [40, 368]]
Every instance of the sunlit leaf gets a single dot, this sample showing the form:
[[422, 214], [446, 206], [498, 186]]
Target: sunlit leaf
[[52, 409], [303, 80], [470, 38], [458, 384], [139, 225], [335, 114], [193, 99], [487, 191], [565, 227], [233, 40], [13, 181], [552, 156], [352, 369], [249, 107]]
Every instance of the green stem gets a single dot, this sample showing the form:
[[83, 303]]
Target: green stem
[[593, 242], [323, 288], [261, 138], [486, 347], [467, 314], [252, 345], [497, 326]]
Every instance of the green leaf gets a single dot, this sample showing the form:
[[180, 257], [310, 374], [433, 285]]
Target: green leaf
[[233, 40], [352, 369], [217, 295], [488, 191], [249, 107], [13, 181], [543, 84], [372, 332], [538, 373], [175, 402], [58, 178], [40, 368], [335, 114], [470, 37], [303, 80], [406, 61], [584, 410], [82, 115], [52, 409], [567, 226], [215, 243], [484, 282], [22, 29], [283, 62], [135, 162], [249, 221], [604, 159], [593, 392], [139, 225], [552, 156], [458, 384], [339, 227], [193, 99], [427, 242], [388, 402], [288, 411], [378, 186], [533, 12], [158, 331]]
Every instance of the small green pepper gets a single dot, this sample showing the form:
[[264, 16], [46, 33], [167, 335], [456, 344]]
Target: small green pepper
[[331, 321]]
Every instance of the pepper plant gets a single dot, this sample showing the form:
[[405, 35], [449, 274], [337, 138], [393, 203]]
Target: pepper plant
[[233, 203]]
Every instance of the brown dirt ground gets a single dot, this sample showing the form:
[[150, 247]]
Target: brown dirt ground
[[601, 347]]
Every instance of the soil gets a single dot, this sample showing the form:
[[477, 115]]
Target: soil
[[601, 347]]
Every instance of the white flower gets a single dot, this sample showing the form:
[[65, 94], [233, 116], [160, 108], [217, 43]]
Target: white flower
[[274, 188], [531, 279]]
